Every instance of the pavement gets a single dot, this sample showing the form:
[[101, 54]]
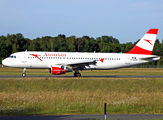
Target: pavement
[[84, 76], [84, 117]]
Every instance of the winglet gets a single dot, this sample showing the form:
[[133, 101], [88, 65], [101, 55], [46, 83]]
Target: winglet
[[146, 43]]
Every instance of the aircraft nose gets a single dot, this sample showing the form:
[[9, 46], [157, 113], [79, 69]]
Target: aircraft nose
[[4, 62], [8, 63]]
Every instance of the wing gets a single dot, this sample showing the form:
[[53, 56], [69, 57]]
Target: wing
[[80, 65]]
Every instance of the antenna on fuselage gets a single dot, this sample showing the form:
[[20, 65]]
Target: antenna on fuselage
[[26, 50]]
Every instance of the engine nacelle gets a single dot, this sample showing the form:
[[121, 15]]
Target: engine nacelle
[[57, 70]]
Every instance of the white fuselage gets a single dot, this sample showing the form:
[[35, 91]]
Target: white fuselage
[[47, 59]]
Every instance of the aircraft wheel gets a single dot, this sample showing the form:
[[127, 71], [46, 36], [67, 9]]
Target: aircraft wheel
[[78, 75], [23, 75], [74, 74], [24, 70]]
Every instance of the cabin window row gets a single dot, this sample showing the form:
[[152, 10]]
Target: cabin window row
[[75, 58]]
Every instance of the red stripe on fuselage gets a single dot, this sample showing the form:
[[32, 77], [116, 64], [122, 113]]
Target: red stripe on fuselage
[[36, 56], [152, 31], [138, 50]]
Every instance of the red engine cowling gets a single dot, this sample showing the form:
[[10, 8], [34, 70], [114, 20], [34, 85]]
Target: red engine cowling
[[57, 70]]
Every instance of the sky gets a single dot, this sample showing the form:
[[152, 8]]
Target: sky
[[126, 20]]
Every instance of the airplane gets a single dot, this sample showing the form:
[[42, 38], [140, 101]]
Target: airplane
[[60, 63]]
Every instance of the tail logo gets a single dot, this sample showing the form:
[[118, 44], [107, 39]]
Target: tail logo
[[149, 41]]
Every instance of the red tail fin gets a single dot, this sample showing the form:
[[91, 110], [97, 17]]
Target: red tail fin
[[146, 43]]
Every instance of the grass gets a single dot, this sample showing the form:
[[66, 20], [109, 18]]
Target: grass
[[30, 96], [124, 71]]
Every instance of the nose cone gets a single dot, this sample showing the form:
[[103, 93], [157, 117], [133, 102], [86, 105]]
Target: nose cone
[[3, 62], [8, 62]]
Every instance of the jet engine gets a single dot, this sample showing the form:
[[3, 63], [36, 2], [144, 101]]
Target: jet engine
[[59, 69]]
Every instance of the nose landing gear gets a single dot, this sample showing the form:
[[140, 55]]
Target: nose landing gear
[[24, 70]]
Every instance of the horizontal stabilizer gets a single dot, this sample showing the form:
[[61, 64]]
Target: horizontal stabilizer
[[151, 58]]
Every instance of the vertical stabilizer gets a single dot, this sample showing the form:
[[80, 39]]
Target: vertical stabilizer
[[146, 43]]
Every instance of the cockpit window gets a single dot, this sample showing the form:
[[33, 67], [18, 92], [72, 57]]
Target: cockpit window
[[12, 56]]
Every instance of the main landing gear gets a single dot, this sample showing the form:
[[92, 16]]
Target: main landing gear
[[24, 70], [77, 74]]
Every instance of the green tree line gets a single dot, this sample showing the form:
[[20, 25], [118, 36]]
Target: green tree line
[[16, 42]]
